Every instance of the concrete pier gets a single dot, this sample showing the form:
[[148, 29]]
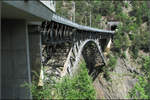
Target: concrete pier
[[15, 59], [20, 45], [35, 48]]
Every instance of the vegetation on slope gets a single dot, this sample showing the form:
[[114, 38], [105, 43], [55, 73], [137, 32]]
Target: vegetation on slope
[[110, 66], [142, 88], [132, 35], [75, 87]]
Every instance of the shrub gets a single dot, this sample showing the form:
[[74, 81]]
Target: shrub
[[139, 91], [44, 92], [139, 41], [134, 51], [124, 55], [135, 45], [77, 87], [121, 40], [112, 62], [110, 67], [146, 65], [107, 74], [144, 44], [142, 87]]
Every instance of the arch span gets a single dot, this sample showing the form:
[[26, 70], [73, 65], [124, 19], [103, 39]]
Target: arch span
[[75, 53]]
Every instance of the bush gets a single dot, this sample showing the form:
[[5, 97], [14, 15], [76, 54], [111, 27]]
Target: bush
[[145, 44], [112, 62], [44, 92], [121, 40], [146, 65], [107, 74], [124, 55], [77, 87], [139, 41], [110, 67], [142, 87]]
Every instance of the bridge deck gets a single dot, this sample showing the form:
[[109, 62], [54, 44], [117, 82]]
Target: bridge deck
[[36, 11], [67, 22], [30, 10]]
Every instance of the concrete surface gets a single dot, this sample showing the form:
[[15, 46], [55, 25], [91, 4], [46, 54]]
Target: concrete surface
[[15, 59], [35, 49], [31, 10]]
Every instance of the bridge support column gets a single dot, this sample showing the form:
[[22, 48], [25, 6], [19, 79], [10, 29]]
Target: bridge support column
[[35, 51], [107, 49], [15, 59]]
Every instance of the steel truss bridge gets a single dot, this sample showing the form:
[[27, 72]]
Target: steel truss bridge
[[64, 37]]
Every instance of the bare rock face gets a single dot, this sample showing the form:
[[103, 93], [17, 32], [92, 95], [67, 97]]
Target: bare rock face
[[122, 80]]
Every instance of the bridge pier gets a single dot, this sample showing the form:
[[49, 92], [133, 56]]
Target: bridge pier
[[35, 47], [15, 59]]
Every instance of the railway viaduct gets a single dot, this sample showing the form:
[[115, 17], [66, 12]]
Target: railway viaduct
[[31, 36]]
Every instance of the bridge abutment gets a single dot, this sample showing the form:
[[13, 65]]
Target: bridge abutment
[[108, 46], [15, 59]]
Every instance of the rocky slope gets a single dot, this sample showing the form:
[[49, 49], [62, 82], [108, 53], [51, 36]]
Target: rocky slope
[[122, 79]]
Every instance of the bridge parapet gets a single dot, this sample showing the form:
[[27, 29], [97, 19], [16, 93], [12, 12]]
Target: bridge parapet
[[61, 20], [54, 32]]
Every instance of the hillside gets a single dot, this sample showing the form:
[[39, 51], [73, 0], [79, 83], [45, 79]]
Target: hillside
[[127, 74]]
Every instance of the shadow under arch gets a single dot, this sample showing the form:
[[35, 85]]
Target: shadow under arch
[[92, 57]]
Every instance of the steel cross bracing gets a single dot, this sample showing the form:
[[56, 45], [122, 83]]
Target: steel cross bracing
[[64, 35]]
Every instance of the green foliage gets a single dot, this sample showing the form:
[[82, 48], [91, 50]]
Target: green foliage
[[121, 40], [146, 65], [98, 17], [62, 8], [105, 8], [140, 10], [139, 41], [126, 5], [44, 92], [84, 8], [138, 88], [110, 66], [118, 7], [77, 87], [135, 45], [112, 62], [123, 17], [142, 87], [124, 55], [144, 41], [107, 74]]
